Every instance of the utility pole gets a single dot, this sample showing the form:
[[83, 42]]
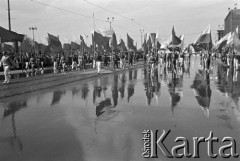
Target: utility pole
[[141, 31], [33, 28], [9, 17]]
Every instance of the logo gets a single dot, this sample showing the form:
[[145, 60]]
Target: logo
[[153, 143]]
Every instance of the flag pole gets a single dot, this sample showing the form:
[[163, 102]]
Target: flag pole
[[93, 36]]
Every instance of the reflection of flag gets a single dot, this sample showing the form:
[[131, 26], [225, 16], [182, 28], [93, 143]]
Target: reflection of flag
[[205, 36], [75, 46], [57, 95], [103, 104], [130, 43], [13, 107], [54, 43], [175, 40], [130, 91]]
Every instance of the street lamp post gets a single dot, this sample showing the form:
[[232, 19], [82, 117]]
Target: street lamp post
[[110, 21], [33, 28]]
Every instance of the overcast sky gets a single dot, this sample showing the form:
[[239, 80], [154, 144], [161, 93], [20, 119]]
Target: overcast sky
[[189, 17]]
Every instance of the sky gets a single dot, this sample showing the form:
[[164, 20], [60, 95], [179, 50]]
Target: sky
[[75, 17]]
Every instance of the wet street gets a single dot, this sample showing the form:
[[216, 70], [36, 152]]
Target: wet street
[[103, 119]]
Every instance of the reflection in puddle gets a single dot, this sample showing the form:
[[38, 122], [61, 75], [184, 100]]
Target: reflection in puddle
[[103, 118]]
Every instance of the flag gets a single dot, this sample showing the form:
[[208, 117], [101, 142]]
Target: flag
[[237, 30], [130, 43], [182, 42], [148, 41], [106, 32], [41, 47], [122, 46], [67, 47], [75, 46], [82, 43], [158, 37], [54, 43], [205, 36], [158, 45], [113, 42], [26, 45], [175, 40], [234, 41], [223, 41], [153, 38], [100, 40]]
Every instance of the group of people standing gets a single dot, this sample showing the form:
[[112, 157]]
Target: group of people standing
[[32, 64]]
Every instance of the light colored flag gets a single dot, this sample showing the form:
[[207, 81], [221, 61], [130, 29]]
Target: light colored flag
[[205, 36], [223, 41]]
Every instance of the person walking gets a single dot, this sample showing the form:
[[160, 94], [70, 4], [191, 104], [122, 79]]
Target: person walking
[[63, 63], [7, 63], [98, 62], [32, 63]]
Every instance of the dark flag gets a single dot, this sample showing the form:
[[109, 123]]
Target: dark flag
[[83, 45], [100, 40], [113, 42], [27, 45], [175, 40], [130, 43], [75, 46], [158, 45], [67, 47], [54, 43], [41, 47], [122, 46]]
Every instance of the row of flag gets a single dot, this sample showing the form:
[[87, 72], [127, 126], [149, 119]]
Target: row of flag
[[108, 42]]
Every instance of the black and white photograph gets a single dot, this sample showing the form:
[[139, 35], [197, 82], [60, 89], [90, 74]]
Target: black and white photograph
[[119, 80]]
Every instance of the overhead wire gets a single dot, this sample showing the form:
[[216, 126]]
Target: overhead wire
[[131, 19], [72, 12]]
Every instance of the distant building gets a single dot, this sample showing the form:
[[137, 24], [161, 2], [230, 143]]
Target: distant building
[[220, 34], [232, 21]]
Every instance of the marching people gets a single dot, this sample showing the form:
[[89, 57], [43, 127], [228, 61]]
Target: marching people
[[7, 63], [41, 59], [74, 62], [63, 61], [98, 62], [80, 62], [32, 62], [115, 61]]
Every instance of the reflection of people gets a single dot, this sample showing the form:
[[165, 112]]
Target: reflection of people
[[175, 96], [11, 109], [202, 90], [85, 91], [115, 90]]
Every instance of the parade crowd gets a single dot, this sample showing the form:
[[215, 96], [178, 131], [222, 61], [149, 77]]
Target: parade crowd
[[36, 63]]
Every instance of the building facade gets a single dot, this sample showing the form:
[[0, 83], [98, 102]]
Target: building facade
[[232, 21]]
